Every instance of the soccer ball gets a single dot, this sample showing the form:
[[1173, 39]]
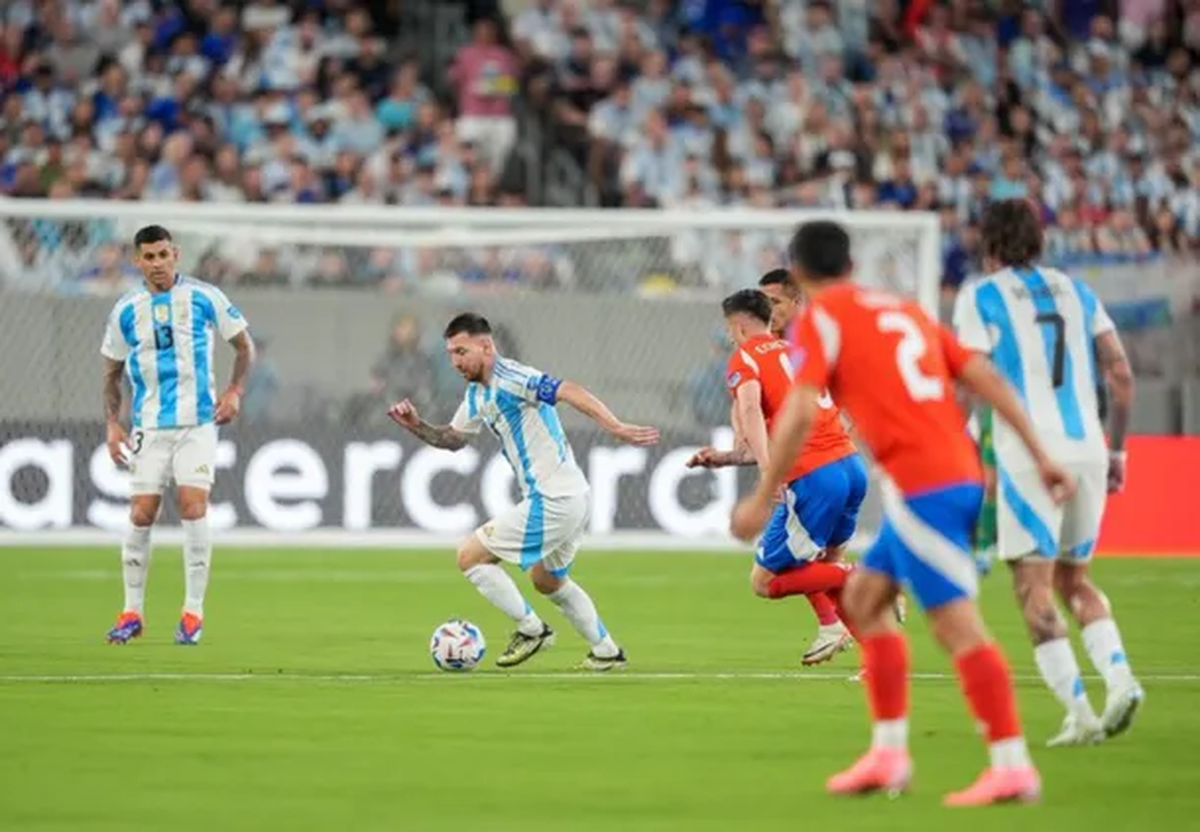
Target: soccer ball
[[457, 645]]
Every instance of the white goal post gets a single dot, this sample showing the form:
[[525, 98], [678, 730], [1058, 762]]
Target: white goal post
[[625, 301]]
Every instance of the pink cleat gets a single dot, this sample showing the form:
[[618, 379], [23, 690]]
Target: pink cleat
[[880, 769], [1000, 785]]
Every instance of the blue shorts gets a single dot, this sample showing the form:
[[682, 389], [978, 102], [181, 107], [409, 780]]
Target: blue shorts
[[820, 510], [925, 542]]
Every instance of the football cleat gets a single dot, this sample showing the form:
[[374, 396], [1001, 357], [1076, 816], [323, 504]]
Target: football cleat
[[880, 769], [603, 663], [129, 626], [190, 628], [1000, 785], [1077, 732], [522, 647], [831, 639], [1121, 706]]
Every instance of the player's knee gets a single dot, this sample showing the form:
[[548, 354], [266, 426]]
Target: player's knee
[[1037, 606], [143, 512], [545, 581], [760, 581], [470, 554]]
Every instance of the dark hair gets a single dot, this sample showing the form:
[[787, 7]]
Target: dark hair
[[748, 302], [821, 249], [468, 322], [151, 234], [1012, 233], [776, 277]]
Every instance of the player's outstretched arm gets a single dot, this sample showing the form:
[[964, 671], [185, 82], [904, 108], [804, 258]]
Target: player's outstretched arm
[[115, 435], [751, 422], [981, 378], [791, 429], [1118, 377], [439, 436], [230, 402], [583, 400]]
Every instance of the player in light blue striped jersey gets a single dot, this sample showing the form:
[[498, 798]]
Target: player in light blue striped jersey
[[162, 335], [1050, 337], [542, 532]]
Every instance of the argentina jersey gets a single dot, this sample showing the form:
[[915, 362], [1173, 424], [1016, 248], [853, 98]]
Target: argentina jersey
[[517, 406], [166, 341], [1039, 326]]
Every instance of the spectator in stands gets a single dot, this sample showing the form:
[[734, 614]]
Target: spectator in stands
[[485, 77]]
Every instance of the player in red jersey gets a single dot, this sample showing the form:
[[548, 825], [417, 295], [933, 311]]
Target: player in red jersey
[[826, 483], [893, 369]]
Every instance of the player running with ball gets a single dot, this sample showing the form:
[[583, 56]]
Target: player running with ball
[[542, 532], [893, 370], [162, 335]]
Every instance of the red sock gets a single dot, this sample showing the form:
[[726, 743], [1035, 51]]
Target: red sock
[[987, 684], [824, 607], [807, 580], [885, 660]]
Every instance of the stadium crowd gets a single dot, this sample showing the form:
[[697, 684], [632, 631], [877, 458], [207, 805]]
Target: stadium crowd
[[820, 103]]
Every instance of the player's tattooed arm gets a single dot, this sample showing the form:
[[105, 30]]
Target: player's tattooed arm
[[113, 370], [1118, 376], [243, 346], [438, 436]]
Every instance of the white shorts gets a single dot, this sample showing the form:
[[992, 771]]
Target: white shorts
[[1028, 523], [185, 456], [546, 529]]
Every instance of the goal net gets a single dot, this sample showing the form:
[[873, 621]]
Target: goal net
[[347, 305]]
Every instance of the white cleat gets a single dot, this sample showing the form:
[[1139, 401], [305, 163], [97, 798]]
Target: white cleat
[[831, 639], [900, 608], [1078, 732], [1122, 704]]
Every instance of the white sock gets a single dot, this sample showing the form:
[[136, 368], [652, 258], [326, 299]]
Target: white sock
[[1056, 661], [1103, 642], [577, 606], [495, 585], [197, 557], [890, 733], [135, 563], [1010, 753]]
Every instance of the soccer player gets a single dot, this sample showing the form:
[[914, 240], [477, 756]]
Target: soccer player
[[542, 532], [1050, 337], [893, 370], [162, 336], [825, 485]]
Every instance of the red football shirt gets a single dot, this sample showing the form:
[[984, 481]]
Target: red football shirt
[[893, 369], [766, 359]]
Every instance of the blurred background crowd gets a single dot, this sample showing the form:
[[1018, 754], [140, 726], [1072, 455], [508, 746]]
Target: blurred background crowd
[[1090, 108]]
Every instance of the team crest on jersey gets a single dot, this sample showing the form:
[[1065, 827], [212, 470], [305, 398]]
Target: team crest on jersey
[[162, 313], [734, 379]]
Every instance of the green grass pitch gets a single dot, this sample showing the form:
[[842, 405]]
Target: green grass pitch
[[313, 705]]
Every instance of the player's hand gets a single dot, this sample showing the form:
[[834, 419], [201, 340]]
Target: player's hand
[[705, 458], [636, 434], [404, 413], [117, 440], [1057, 480], [228, 407], [750, 516], [1116, 472]]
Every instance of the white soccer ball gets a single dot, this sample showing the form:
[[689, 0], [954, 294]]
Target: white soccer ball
[[457, 645]]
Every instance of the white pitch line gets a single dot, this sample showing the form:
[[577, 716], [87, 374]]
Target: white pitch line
[[574, 676]]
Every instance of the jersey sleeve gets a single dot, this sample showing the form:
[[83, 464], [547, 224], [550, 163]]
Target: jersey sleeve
[[815, 348], [1099, 321], [739, 371], [969, 325], [114, 346], [956, 353], [227, 318], [467, 419], [529, 384]]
